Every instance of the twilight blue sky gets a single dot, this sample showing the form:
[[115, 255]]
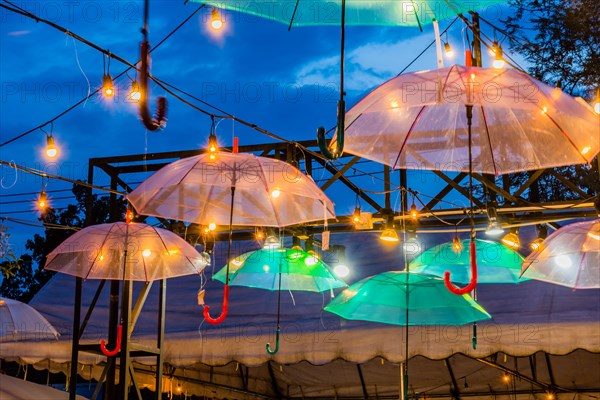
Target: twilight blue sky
[[285, 82]]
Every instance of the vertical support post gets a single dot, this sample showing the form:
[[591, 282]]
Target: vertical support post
[[403, 193], [386, 187], [125, 359], [162, 303], [477, 61], [113, 310], [75, 341]]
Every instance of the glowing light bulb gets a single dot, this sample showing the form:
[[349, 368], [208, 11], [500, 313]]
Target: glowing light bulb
[[51, 149], [147, 253], [42, 202], [494, 48], [389, 235], [563, 261], [550, 396], [511, 240], [107, 86], [448, 50], [129, 216], [537, 245], [215, 21], [356, 215], [275, 193], [311, 261], [212, 226], [544, 110], [100, 257], [498, 60], [135, 94], [414, 213], [213, 146], [586, 150], [456, 244], [597, 107], [506, 378], [394, 104], [266, 268], [172, 252], [341, 270], [260, 235]]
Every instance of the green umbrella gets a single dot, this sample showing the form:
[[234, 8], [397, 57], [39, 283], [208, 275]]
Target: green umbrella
[[299, 271], [358, 12], [383, 298], [496, 263], [279, 269]]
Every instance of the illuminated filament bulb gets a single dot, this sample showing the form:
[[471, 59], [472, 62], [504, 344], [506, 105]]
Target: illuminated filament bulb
[[108, 87], [212, 226], [414, 213], [147, 253], [456, 244], [42, 202], [51, 149], [215, 21], [356, 215], [275, 193], [498, 59], [213, 146], [135, 94], [448, 50]]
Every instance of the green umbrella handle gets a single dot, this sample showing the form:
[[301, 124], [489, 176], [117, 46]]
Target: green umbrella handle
[[224, 309], [469, 288], [268, 346]]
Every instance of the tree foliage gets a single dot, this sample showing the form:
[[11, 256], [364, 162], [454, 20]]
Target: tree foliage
[[562, 41]]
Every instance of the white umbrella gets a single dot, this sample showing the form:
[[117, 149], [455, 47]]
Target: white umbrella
[[20, 321]]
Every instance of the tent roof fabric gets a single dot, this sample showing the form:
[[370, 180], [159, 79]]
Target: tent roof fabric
[[530, 318]]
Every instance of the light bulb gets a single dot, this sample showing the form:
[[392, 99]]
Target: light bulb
[[260, 235], [586, 150], [414, 213], [216, 22], [212, 226], [51, 150], [135, 94], [498, 60], [494, 48], [341, 270], [448, 49], [107, 86], [389, 235], [456, 244], [505, 378], [213, 144], [129, 216], [147, 253], [42, 202], [597, 107], [275, 193], [537, 245], [511, 240], [356, 215]]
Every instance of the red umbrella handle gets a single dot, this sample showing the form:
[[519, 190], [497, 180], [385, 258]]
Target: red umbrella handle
[[469, 288], [221, 317], [111, 353]]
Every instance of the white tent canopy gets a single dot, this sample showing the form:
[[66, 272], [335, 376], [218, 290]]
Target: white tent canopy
[[322, 355]]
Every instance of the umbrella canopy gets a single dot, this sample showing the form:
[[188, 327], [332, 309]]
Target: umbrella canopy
[[358, 12], [198, 189], [20, 321], [133, 252], [299, 271], [569, 257], [496, 263], [418, 121], [382, 298]]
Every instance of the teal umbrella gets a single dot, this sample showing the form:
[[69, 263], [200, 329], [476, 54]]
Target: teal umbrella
[[383, 298], [298, 269], [358, 12], [496, 263], [279, 269]]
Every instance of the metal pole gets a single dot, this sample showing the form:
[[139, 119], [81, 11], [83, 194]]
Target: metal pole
[[162, 305], [75, 340]]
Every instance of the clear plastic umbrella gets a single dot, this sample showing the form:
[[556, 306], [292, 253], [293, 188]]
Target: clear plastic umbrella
[[128, 252], [125, 251], [569, 257], [471, 119], [234, 189], [20, 321]]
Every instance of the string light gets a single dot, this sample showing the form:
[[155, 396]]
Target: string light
[[259, 235], [448, 50], [511, 239], [215, 21], [538, 244], [213, 143], [597, 102], [456, 244], [129, 216], [341, 269], [108, 87], [212, 226], [51, 149], [42, 202], [494, 48], [135, 93], [498, 59], [414, 213], [356, 215], [275, 193], [505, 378], [494, 228]]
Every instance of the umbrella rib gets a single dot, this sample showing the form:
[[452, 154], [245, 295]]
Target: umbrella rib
[[487, 132], [410, 131], [262, 172], [95, 258]]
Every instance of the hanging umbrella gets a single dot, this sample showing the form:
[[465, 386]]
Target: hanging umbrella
[[299, 271], [569, 257], [496, 263], [358, 12], [122, 251], [382, 298], [128, 252], [471, 119], [20, 321], [279, 269], [234, 189]]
